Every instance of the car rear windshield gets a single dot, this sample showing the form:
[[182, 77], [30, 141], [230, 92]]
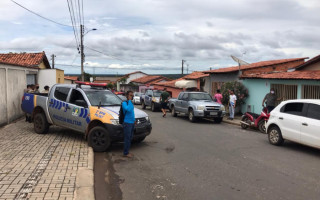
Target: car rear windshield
[[103, 98], [157, 93], [137, 94], [199, 96]]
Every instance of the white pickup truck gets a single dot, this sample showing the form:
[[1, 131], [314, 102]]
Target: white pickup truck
[[197, 105]]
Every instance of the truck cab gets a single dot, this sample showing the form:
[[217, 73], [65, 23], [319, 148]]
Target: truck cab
[[152, 99]]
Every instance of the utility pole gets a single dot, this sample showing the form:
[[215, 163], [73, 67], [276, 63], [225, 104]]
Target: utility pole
[[81, 52], [52, 58], [182, 66]]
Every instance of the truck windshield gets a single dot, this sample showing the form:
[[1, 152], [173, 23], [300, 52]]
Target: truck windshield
[[106, 98], [157, 93], [199, 96]]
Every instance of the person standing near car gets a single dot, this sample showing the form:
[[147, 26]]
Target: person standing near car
[[128, 123], [232, 104], [270, 99], [218, 97], [164, 101]]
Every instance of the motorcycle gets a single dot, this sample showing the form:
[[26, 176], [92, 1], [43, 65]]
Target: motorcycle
[[255, 120]]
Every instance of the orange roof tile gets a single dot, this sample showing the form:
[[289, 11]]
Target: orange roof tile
[[31, 60], [253, 65], [103, 81], [193, 76], [299, 75], [73, 78], [148, 79]]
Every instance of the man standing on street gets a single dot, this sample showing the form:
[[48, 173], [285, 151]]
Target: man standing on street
[[270, 99], [128, 123], [164, 101], [232, 104]]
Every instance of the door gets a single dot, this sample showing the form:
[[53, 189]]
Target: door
[[148, 97], [78, 114], [58, 106], [310, 126], [289, 119], [185, 103], [178, 102]]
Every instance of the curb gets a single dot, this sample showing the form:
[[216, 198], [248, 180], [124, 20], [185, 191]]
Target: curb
[[231, 122], [85, 180]]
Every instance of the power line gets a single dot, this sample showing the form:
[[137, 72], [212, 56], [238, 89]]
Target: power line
[[73, 24], [40, 15]]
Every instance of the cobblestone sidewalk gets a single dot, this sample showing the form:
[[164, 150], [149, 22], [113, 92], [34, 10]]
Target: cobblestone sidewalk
[[34, 166]]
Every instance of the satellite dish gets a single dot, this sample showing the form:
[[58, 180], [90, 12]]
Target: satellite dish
[[239, 61]]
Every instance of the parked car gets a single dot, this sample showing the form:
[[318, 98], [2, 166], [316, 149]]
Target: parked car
[[152, 99], [297, 121], [93, 111], [122, 97], [197, 105], [136, 98]]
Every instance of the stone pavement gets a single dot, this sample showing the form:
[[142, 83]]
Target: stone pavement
[[34, 166]]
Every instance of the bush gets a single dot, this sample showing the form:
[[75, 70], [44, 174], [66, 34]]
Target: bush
[[239, 90]]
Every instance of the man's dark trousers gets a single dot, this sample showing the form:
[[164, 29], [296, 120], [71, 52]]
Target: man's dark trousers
[[128, 130]]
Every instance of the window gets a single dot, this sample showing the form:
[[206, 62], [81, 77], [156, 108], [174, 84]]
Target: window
[[293, 108], [286, 91], [61, 93], [103, 98], [185, 97], [313, 111], [77, 99], [200, 96], [310, 92], [180, 96]]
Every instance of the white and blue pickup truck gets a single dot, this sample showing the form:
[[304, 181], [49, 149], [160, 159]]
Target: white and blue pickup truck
[[197, 105], [84, 107]]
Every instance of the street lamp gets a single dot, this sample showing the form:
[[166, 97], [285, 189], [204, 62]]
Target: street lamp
[[81, 48]]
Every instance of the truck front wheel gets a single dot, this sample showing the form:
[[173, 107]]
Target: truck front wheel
[[40, 123], [191, 116], [99, 139]]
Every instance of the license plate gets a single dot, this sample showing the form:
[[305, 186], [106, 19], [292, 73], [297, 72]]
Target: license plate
[[213, 113]]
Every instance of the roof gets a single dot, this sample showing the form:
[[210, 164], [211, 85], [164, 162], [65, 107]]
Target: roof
[[126, 75], [253, 65], [193, 76], [149, 79], [103, 81], [309, 62], [297, 75], [30, 60], [73, 78]]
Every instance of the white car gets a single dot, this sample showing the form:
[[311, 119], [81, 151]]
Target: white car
[[297, 121], [136, 98]]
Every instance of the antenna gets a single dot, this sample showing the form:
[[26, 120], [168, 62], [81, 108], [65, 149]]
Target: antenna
[[239, 61]]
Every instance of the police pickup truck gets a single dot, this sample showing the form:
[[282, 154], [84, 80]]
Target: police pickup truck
[[84, 107], [197, 105]]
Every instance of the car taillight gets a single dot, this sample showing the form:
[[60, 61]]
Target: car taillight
[[22, 98]]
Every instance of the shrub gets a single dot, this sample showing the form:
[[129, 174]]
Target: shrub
[[239, 90]]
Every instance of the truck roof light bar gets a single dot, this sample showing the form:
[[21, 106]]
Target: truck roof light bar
[[104, 85]]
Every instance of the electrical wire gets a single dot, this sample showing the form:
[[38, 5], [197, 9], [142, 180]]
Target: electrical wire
[[40, 15], [73, 24]]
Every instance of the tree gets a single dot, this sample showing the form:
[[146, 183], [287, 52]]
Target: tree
[[87, 76], [110, 85], [239, 90]]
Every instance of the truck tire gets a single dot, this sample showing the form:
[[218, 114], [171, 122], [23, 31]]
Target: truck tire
[[153, 108], [143, 105], [218, 120], [138, 140], [262, 126], [191, 116], [173, 112], [99, 139], [40, 123]]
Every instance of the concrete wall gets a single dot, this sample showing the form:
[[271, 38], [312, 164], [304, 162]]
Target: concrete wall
[[134, 76], [47, 77], [13, 81], [314, 66], [207, 87], [59, 76], [66, 81], [258, 88]]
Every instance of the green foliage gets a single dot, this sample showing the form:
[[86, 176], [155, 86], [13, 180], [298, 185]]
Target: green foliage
[[110, 86], [123, 80], [239, 90], [87, 76]]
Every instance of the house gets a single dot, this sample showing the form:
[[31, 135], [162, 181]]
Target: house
[[303, 82], [70, 79], [147, 82], [194, 81], [219, 76], [123, 83], [16, 71], [49, 77]]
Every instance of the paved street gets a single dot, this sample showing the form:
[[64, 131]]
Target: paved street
[[34, 166], [181, 160]]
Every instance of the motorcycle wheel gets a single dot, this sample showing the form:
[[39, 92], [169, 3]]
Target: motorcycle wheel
[[244, 119], [262, 126]]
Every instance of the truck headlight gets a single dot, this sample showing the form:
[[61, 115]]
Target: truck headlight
[[114, 121], [201, 107], [222, 108], [147, 118]]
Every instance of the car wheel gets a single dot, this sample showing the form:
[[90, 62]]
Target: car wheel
[[173, 111], [143, 105], [153, 108], [244, 119], [218, 120], [99, 139], [262, 126], [275, 136], [40, 123], [139, 140], [192, 118]]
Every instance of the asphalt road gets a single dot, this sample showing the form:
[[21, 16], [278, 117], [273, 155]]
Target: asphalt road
[[183, 160]]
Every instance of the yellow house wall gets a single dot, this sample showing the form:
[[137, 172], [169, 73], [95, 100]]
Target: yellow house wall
[[59, 76], [42, 66]]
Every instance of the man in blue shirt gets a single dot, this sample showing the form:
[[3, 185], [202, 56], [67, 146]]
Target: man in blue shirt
[[128, 123]]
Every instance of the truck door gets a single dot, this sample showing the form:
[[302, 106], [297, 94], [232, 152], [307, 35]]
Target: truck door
[[185, 103], [58, 105], [78, 112], [148, 98]]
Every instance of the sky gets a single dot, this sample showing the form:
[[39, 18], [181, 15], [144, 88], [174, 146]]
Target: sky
[[155, 35]]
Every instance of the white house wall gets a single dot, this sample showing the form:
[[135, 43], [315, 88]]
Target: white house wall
[[47, 77], [134, 76]]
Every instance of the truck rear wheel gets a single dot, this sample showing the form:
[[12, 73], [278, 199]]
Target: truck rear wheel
[[40, 123], [99, 139], [153, 107], [143, 105]]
